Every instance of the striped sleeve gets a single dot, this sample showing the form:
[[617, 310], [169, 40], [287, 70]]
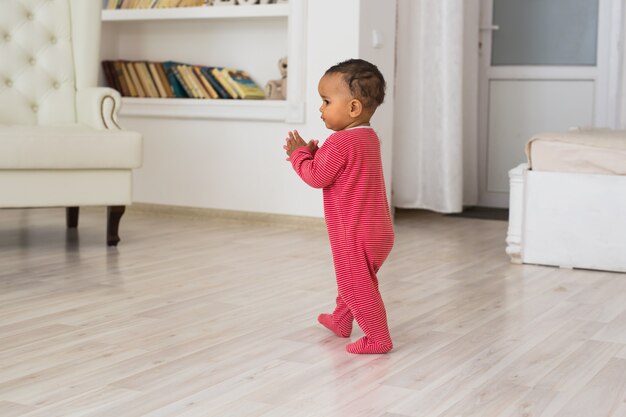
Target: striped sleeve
[[321, 170]]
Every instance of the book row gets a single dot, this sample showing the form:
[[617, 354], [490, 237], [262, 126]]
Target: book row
[[158, 4], [179, 80]]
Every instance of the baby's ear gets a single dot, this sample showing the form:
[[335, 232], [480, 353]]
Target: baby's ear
[[356, 107]]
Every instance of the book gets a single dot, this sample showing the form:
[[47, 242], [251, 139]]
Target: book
[[135, 4], [243, 84], [109, 75], [119, 75], [114, 4], [164, 79], [206, 72], [219, 76], [190, 81], [157, 80], [132, 90], [205, 83], [191, 3], [182, 82], [194, 82], [146, 79], [130, 67], [177, 87], [166, 4]]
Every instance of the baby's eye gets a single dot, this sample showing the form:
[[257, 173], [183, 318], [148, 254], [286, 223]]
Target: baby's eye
[[326, 102]]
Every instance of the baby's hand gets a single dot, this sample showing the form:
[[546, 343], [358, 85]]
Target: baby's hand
[[294, 141], [313, 146]]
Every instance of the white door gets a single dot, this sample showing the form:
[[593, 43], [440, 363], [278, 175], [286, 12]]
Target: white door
[[545, 65]]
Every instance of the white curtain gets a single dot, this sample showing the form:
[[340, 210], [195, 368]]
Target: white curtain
[[435, 125]]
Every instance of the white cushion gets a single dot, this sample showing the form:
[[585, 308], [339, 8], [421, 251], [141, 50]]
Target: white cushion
[[68, 147]]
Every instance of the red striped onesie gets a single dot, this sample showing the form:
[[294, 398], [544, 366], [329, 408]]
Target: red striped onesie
[[348, 167]]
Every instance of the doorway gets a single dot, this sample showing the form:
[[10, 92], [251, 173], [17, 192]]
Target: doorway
[[545, 65]]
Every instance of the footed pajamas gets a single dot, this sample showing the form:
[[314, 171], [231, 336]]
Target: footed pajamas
[[348, 167]]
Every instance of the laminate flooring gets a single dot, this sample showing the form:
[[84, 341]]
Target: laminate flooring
[[208, 317]]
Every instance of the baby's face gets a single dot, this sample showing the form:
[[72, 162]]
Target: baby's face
[[336, 102]]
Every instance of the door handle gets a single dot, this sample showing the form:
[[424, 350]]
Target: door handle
[[492, 27]]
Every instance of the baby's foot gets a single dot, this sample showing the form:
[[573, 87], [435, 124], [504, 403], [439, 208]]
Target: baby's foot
[[364, 345], [327, 321]]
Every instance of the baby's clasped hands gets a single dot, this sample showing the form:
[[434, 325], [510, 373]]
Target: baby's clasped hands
[[294, 141]]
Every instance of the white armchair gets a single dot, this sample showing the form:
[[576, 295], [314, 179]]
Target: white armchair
[[60, 143]]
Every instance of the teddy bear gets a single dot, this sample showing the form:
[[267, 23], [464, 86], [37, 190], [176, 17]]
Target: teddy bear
[[277, 89]]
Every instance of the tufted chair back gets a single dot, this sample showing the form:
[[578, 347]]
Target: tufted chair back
[[42, 62]]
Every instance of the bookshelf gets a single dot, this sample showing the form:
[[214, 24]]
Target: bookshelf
[[199, 35]]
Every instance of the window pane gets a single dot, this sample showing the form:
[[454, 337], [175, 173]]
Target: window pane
[[545, 32]]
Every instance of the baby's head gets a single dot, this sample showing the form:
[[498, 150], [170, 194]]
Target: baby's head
[[364, 80], [351, 91]]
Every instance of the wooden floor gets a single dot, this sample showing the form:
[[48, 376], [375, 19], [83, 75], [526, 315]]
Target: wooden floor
[[200, 317]]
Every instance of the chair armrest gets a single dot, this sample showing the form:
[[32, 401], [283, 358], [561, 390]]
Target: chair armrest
[[98, 107]]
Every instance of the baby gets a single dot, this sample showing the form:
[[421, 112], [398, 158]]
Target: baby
[[348, 167]]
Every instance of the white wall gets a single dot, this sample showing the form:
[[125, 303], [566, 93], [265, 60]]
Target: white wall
[[378, 20], [240, 165]]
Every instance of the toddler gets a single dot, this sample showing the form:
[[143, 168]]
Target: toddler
[[348, 167]]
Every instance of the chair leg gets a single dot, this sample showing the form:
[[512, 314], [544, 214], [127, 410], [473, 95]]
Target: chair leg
[[114, 214], [71, 217]]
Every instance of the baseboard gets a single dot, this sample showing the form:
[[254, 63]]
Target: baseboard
[[229, 215]]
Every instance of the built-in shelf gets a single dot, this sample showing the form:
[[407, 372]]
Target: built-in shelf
[[207, 12], [291, 110], [187, 108]]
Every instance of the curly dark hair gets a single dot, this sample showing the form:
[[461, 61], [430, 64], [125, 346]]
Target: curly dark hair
[[365, 81]]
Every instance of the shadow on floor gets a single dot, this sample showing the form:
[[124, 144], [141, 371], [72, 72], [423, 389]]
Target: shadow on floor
[[487, 213]]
